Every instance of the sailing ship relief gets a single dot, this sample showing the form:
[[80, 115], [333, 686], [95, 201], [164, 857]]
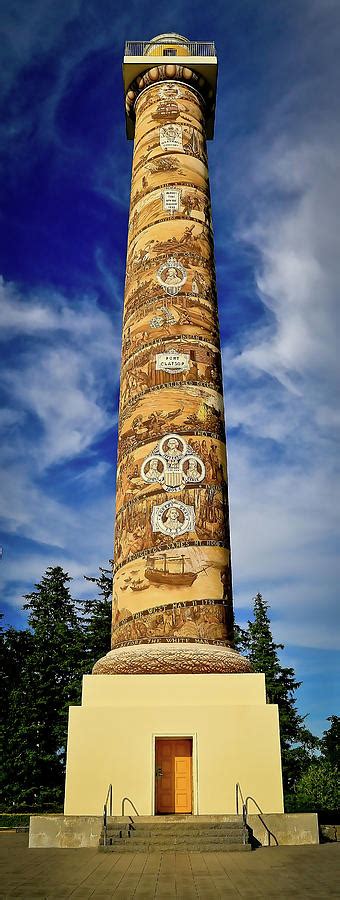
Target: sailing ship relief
[[163, 569]]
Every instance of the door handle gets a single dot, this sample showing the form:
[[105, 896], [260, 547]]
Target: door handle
[[159, 771]]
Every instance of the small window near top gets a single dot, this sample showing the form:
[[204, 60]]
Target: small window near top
[[170, 52]]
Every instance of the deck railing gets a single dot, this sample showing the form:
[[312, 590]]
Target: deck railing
[[193, 48]]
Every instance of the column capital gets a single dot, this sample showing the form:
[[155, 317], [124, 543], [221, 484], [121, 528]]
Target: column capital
[[148, 63]]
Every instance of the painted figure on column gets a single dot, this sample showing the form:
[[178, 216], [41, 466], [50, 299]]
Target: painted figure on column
[[173, 608]]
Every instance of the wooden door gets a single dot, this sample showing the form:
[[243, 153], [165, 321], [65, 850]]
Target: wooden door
[[173, 775]]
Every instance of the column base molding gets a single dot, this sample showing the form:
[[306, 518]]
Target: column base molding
[[167, 658]]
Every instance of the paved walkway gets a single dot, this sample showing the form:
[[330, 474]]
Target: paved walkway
[[286, 873]]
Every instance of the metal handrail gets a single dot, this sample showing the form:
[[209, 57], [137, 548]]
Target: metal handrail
[[244, 811], [108, 801], [245, 814], [192, 48], [127, 799], [238, 791], [269, 832]]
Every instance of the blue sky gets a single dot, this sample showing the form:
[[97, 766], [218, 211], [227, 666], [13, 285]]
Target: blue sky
[[274, 167]]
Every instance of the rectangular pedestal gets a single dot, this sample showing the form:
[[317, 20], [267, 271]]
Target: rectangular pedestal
[[277, 829], [112, 739]]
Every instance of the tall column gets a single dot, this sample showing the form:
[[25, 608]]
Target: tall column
[[172, 601]]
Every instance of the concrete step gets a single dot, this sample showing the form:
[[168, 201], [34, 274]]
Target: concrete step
[[180, 832], [135, 828], [175, 819], [185, 841], [181, 827], [169, 833], [164, 847], [136, 837]]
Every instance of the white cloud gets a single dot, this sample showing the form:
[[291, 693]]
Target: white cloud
[[61, 376], [282, 377], [60, 392], [29, 511], [299, 272], [76, 537], [62, 361]]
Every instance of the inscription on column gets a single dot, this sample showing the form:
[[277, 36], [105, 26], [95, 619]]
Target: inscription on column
[[172, 361], [171, 200], [170, 137]]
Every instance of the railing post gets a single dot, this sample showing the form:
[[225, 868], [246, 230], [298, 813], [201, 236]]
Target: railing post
[[108, 800], [104, 824]]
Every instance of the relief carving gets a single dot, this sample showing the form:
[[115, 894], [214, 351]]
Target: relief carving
[[173, 518], [170, 137], [172, 276], [172, 507], [172, 464]]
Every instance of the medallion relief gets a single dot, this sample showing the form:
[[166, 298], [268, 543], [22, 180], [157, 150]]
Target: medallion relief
[[172, 276], [173, 464], [173, 518]]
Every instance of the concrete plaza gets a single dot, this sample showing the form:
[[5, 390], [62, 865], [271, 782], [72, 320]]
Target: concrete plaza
[[269, 872]]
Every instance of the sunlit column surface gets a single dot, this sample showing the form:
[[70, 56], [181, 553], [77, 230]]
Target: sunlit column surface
[[172, 601]]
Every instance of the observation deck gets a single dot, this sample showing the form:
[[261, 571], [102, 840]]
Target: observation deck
[[164, 49]]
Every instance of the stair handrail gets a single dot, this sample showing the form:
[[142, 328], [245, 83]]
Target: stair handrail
[[269, 832], [244, 811], [245, 814], [127, 799], [108, 803]]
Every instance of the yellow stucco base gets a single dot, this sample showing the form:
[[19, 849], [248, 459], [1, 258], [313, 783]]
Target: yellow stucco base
[[112, 738]]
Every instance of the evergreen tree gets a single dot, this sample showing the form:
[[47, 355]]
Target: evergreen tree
[[297, 742], [15, 647], [48, 681], [97, 618], [330, 742]]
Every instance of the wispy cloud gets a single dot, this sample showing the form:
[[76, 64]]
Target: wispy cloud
[[63, 358], [60, 377], [282, 370]]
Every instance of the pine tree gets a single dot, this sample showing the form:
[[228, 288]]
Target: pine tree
[[330, 742], [297, 742], [97, 618], [49, 681], [15, 647]]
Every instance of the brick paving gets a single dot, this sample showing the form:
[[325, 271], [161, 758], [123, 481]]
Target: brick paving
[[269, 872]]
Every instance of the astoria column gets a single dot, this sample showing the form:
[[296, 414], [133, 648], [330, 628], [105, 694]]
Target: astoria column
[[172, 595]]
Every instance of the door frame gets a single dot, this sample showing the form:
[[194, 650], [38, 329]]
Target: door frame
[[192, 735]]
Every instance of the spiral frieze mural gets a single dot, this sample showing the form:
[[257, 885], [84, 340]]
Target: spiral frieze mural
[[172, 574]]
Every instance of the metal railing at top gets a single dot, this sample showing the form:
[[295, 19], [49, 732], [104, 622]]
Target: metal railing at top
[[193, 48]]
